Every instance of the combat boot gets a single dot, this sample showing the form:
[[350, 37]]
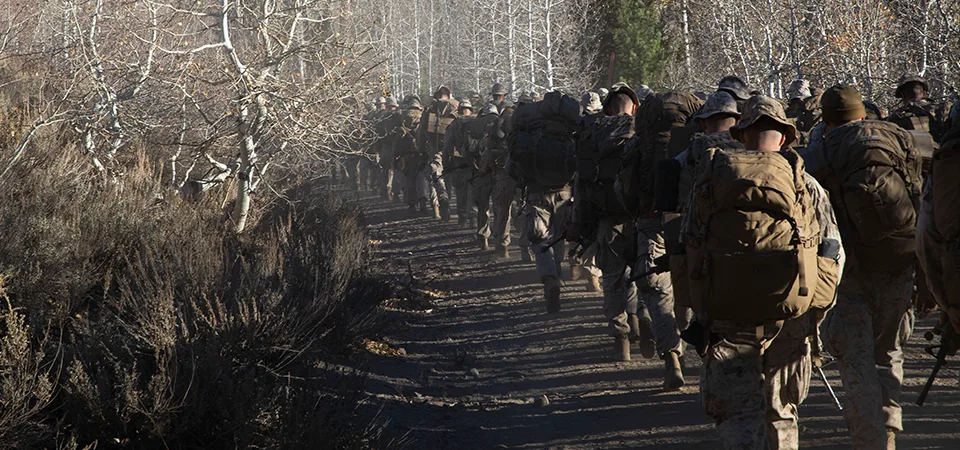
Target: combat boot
[[525, 254], [642, 334], [673, 373], [444, 211], [436, 212], [593, 284], [621, 348], [484, 243], [551, 292], [503, 251]]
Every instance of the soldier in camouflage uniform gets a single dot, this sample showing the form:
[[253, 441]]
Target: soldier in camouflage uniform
[[459, 167], [754, 378], [408, 161], [797, 93], [916, 111], [585, 265], [359, 167], [498, 95], [385, 156], [431, 189], [872, 320]]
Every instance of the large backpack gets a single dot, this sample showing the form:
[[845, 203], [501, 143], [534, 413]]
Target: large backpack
[[541, 141], [437, 119], [599, 157], [946, 189], [656, 119], [872, 170], [753, 238]]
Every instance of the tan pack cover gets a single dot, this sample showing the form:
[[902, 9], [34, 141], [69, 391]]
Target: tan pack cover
[[872, 170], [946, 186], [752, 253]]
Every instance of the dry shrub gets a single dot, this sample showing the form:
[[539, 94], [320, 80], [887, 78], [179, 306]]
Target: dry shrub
[[172, 331]]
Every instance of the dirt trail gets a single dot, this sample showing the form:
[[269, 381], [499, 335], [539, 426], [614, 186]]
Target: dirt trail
[[491, 318]]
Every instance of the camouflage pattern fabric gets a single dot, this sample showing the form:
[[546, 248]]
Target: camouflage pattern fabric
[[430, 185], [866, 331], [614, 239], [481, 190], [546, 216], [936, 257], [656, 290], [504, 191], [753, 394]]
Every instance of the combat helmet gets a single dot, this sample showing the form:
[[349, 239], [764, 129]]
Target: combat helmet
[[908, 78], [498, 89], [392, 102]]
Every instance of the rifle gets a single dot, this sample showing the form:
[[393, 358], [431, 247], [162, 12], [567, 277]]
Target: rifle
[[949, 344], [823, 377]]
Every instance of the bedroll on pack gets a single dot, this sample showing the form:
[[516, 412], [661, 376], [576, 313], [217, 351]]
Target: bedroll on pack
[[753, 254], [542, 147], [873, 172]]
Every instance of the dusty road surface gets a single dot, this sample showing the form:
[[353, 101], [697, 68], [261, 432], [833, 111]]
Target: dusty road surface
[[480, 359]]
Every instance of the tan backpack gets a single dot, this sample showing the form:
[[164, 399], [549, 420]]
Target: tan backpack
[[872, 170], [946, 188], [752, 240]]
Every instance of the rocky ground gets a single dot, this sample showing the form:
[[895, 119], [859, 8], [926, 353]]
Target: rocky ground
[[483, 366]]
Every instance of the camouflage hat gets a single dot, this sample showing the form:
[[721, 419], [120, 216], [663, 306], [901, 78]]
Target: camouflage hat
[[524, 98], [721, 102], [498, 89], [392, 102], [441, 91], [908, 78], [380, 101], [602, 92], [799, 89], [735, 86], [643, 91], [490, 109], [621, 88], [761, 106], [465, 104], [619, 85], [591, 102]]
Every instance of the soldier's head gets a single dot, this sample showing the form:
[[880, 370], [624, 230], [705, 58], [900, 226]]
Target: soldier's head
[[874, 111], [535, 96], [442, 93], [466, 108], [643, 92], [489, 109], [392, 104], [798, 91], [381, 103], [602, 92], [591, 103], [498, 93], [475, 97], [621, 100], [912, 87], [719, 113], [413, 102], [524, 99], [842, 104], [764, 125], [734, 86]]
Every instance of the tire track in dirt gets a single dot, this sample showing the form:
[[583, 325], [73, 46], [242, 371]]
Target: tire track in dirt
[[479, 362]]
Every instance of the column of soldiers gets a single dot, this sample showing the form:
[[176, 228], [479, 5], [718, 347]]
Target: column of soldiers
[[745, 224]]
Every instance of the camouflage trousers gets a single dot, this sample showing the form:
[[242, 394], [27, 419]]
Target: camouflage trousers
[[459, 179], [481, 190], [940, 261], [656, 291], [504, 192], [866, 331], [430, 186], [752, 386], [547, 214], [588, 260], [614, 241]]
